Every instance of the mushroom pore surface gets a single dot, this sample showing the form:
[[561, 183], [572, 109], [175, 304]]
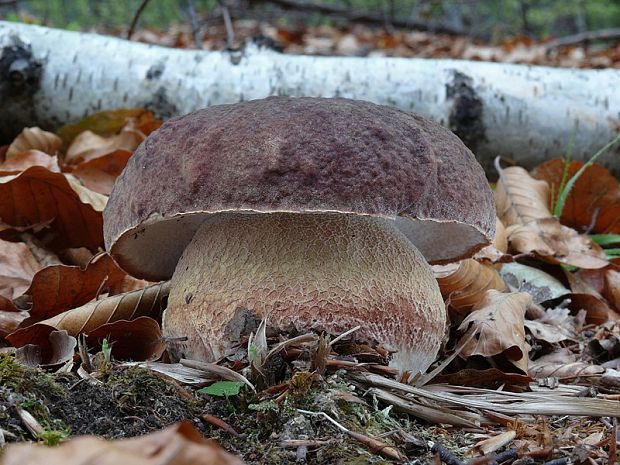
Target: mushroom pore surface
[[328, 272]]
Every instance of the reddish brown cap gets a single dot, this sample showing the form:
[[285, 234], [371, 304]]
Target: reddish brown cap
[[297, 155]]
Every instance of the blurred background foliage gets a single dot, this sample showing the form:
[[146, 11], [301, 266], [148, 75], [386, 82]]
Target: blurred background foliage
[[492, 19]]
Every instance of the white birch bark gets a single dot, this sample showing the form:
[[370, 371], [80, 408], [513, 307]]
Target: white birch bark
[[49, 77]]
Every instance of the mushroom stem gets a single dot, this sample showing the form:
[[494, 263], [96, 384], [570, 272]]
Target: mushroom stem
[[323, 271]]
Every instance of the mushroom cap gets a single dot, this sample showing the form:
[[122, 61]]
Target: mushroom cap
[[297, 155]]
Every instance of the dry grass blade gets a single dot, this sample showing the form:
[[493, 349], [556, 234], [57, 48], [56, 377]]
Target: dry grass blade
[[499, 401], [301, 339], [373, 444], [34, 139], [435, 414], [128, 306], [464, 283], [178, 372], [519, 198], [219, 371]]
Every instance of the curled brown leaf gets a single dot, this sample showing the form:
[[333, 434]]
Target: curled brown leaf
[[34, 139]]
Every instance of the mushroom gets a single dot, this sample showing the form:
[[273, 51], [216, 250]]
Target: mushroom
[[320, 213]]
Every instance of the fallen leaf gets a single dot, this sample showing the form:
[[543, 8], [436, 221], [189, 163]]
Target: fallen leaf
[[585, 297], [109, 122], [38, 197], [34, 139], [594, 202], [58, 288], [89, 146], [562, 364], [88, 317], [519, 198], [10, 320], [556, 243], [556, 325], [99, 174], [25, 160], [139, 339], [498, 323], [495, 442], [464, 283], [17, 268], [179, 444], [58, 349], [540, 285], [496, 252], [612, 287]]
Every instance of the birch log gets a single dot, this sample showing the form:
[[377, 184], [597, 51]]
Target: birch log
[[527, 113]]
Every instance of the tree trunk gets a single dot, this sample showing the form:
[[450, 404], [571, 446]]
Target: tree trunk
[[527, 113]]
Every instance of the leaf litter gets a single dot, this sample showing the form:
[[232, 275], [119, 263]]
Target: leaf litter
[[533, 349]]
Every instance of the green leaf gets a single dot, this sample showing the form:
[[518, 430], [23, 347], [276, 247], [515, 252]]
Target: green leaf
[[222, 388], [612, 253], [104, 123], [605, 239]]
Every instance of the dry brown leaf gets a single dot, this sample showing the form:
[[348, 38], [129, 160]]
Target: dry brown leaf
[[556, 243], [110, 122], [498, 322], [520, 198], [497, 251], [25, 160], [612, 287], [593, 203], [89, 146], [17, 267], [585, 297], [59, 349], [562, 364], [179, 444], [464, 283], [88, 317], [34, 139], [556, 325], [139, 339], [37, 197], [58, 288], [99, 174], [10, 319]]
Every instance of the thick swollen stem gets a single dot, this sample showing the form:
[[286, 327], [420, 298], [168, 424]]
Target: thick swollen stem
[[323, 271]]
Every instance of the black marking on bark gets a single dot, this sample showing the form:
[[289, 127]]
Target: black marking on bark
[[160, 105], [466, 114], [20, 77], [155, 71]]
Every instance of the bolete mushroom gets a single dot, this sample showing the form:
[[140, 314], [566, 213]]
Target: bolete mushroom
[[321, 213]]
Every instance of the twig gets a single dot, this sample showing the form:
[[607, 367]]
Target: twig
[[230, 33], [446, 456], [576, 39], [195, 26], [219, 423], [373, 444], [134, 21], [343, 335], [562, 461], [369, 18]]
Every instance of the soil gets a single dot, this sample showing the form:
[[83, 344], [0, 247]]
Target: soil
[[129, 401]]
